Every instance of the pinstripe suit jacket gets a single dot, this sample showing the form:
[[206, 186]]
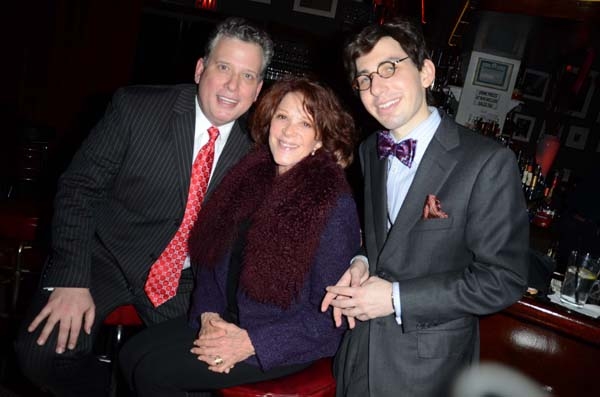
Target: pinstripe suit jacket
[[124, 194]]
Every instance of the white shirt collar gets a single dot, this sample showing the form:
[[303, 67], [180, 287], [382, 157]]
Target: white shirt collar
[[203, 124], [423, 133]]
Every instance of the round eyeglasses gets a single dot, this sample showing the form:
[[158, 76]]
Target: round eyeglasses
[[385, 70]]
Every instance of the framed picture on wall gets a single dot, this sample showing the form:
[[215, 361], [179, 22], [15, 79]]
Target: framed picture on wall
[[523, 127], [323, 8], [535, 84], [494, 74], [580, 103], [577, 137], [558, 133]]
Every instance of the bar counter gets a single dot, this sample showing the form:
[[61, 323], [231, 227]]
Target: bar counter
[[556, 347]]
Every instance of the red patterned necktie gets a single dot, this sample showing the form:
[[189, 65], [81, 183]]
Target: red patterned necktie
[[164, 275]]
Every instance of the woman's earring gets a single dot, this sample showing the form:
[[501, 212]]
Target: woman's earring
[[314, 151]]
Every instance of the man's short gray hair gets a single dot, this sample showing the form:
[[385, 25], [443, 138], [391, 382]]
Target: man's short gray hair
[[241, 29]]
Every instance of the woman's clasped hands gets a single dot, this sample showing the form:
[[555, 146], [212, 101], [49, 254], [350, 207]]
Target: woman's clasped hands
[[221, 344]]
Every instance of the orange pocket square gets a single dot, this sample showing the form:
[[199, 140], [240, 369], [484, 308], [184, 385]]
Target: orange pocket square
[[433, 208]]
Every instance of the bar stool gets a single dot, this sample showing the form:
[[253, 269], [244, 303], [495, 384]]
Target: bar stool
[[19, 226], [24, 207], [116, 322], [315, 381]]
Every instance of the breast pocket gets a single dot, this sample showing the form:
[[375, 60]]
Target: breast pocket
[[434, 224]]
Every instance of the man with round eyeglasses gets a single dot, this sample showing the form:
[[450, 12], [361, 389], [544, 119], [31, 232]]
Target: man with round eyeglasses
[[445, 226], [385, 70]]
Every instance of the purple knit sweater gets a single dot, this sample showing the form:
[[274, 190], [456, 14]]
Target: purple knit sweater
[[300, 333]]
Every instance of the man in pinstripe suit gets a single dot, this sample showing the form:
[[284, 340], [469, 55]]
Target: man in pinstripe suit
[[123, 198]]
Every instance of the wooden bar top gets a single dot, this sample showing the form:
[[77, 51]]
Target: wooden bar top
[[543, 312], [556, 347]]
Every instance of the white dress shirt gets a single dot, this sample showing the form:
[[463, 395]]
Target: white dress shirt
[[400, 177], [201, 137]]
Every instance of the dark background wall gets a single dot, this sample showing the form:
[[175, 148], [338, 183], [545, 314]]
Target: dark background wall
[[62, 59]]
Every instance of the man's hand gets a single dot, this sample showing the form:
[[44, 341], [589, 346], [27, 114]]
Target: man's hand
[[207, 330], [227, 342], [69, 307], [357, 273], [370, 300]]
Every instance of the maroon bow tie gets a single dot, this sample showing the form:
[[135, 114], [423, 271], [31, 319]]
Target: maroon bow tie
[[404, 150]]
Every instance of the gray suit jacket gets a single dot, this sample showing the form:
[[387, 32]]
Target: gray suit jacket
[[122, 198], [450, 270]]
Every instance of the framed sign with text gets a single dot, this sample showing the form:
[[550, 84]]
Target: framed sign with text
[[487, 90], [493, 74]]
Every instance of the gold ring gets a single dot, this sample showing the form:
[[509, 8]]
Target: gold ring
[[218, 360]]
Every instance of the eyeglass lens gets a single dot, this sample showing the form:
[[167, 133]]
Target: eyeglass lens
[[385, 70]]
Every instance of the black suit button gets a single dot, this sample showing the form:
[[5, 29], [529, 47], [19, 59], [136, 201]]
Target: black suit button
[[381, 274]]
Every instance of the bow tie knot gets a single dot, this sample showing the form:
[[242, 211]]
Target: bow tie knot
[[404, 150]]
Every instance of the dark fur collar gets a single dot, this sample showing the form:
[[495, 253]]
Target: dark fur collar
[[287, 213]]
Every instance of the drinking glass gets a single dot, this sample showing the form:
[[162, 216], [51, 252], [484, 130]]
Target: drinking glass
[[582, 272]]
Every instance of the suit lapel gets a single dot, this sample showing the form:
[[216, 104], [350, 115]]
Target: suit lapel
[[434, 169], [235, 148], [379, 196], [182, 127]]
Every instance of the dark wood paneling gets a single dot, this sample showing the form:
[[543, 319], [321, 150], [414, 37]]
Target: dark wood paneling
[[550, 344]]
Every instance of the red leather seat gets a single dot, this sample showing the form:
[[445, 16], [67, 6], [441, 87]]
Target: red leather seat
[[314, 381], [118, 319], [123, 316]]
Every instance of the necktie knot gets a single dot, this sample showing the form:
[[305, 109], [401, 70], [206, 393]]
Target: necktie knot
[[213, 133], [404, 150]]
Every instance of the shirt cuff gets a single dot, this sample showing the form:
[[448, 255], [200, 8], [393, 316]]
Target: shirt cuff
[[396, 302]]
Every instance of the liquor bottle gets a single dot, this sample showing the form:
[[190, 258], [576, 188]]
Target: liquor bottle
[[546, 212], [534, 177], [523, 168], [508, 127], [553, 184], [520, 160], [540, 182], [529, 175]]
